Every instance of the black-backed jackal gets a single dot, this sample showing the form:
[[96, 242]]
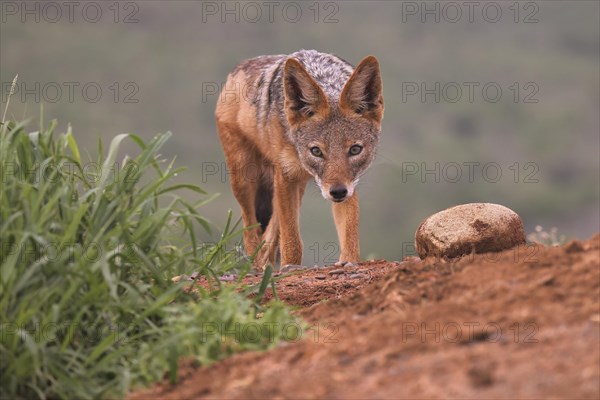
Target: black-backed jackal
[[286, 118]]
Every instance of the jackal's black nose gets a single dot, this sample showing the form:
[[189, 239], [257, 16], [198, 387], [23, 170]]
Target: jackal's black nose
[[338, 192]]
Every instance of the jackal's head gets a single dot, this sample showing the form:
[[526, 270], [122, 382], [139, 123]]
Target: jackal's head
[[336, 135]]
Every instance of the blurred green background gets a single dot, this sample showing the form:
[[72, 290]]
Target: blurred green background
[[541, 134]]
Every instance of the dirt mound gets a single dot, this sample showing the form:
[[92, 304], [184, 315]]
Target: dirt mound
[[310, 286], [523, 323]]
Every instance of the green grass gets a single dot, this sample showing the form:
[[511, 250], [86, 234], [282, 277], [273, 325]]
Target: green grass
[[88, 308]]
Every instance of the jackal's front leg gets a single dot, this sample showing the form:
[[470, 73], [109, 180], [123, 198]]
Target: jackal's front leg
[[345, 216], [286, 201]]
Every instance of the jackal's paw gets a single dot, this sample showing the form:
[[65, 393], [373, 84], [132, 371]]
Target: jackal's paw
[[256, 270], [346, 264]]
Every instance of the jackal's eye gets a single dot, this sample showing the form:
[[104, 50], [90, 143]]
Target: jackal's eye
[[355, 150], [315, 151]]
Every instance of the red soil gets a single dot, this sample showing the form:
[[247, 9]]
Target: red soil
[[523, 323]]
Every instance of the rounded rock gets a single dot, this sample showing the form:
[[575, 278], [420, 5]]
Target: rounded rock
[[467, 228]]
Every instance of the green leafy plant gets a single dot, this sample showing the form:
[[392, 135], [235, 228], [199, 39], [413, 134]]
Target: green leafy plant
[[551, 238], [88, 307]]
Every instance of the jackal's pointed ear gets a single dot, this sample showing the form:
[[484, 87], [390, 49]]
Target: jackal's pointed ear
[[362, 93], [303, 96]]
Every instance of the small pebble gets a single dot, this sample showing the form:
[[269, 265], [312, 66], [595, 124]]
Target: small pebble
[[344, 264], [337, 272], [356, 276]]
